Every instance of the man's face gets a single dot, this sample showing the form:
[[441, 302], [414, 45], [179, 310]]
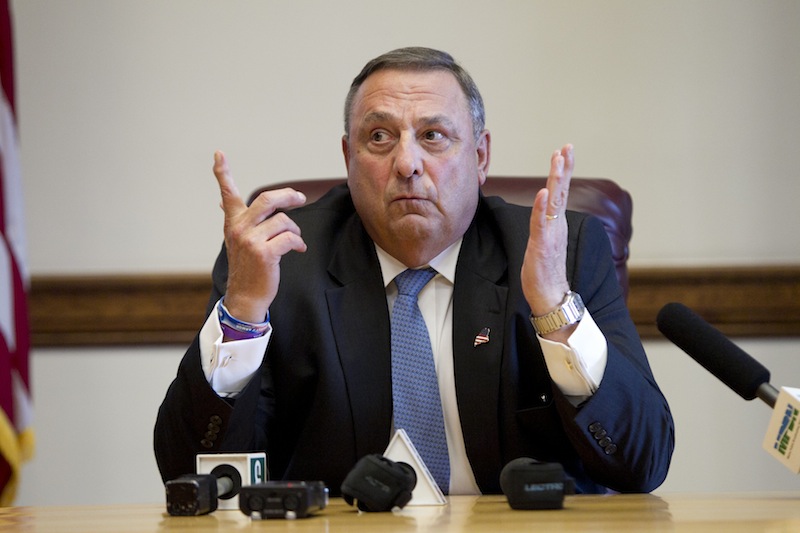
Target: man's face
[[414, 166]]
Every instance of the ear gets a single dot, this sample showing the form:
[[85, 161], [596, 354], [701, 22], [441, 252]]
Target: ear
[[346, 152], [483, 153]]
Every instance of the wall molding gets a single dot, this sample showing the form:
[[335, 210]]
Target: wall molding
[[116, 310], [756, 301]]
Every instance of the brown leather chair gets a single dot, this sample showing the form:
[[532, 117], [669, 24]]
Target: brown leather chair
[[602, 198]]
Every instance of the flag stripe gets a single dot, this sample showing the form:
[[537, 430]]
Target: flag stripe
[[16, 433]]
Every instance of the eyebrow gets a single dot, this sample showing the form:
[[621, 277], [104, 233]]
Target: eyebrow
[[433, 120], [439, 120], [377, 116]]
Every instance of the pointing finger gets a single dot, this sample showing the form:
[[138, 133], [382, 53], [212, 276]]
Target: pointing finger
[[231, 199]]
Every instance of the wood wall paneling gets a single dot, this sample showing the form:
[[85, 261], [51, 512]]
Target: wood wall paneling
[[170, 309]]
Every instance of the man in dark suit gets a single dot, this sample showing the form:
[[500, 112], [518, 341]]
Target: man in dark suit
[[295, 357]]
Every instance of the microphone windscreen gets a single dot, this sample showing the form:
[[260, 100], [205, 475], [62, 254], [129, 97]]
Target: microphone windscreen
[[713, 350], [379, 484], [531, 484]]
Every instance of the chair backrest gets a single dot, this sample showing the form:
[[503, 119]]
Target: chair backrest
[[600, 197]]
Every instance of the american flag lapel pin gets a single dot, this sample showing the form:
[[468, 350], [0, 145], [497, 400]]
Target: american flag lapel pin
[[481, 338]]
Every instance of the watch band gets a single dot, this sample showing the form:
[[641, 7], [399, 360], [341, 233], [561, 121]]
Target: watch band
[[570, 311]]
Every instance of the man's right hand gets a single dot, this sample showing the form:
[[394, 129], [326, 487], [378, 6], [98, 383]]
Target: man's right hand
[[256, 237]]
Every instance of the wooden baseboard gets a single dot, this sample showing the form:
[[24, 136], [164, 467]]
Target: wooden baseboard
[[169, 309]]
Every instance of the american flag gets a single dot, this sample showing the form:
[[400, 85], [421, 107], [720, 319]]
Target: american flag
[[16, 434], [481, 338]]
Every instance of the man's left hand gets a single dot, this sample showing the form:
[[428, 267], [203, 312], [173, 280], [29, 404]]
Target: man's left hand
[[544, 269]]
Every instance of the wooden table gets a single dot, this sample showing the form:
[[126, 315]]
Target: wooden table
[[772, 512]]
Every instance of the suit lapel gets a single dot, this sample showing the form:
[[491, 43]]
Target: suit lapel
[[479, 301], [360, 322]]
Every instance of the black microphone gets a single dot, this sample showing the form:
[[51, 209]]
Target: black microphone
[[531, 485], [716, 353], [378, 484], [746, 376], [197, 494]]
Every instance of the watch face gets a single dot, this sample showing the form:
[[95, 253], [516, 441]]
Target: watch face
[[574, 308]]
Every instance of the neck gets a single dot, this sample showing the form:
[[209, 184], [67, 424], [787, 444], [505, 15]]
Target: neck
[[414, 256]]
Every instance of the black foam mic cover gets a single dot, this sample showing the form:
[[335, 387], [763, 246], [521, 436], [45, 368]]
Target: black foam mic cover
[[530, 484], [713, 350], [378, 484]]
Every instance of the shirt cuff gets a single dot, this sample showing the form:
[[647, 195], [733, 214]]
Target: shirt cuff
[[577, 368], [229, 366]]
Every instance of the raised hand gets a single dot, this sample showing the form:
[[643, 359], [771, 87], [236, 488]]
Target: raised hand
[[256, 238], [544, 269]]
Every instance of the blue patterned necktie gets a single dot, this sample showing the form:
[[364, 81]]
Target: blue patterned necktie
[[415, 389]]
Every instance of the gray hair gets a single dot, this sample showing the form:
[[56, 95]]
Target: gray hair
[[421, 59]]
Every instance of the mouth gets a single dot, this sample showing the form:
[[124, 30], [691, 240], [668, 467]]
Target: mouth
[[410, 196], [410, 205], [410, 199]]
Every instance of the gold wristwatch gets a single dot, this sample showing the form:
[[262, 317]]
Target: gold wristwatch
[[570, 311]]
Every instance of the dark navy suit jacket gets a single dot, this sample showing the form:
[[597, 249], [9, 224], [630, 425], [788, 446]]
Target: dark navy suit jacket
[[322, 398]]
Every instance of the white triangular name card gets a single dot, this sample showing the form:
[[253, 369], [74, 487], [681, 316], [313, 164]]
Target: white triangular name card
[[426, 492]]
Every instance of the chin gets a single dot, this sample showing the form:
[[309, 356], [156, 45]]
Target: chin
[[414, 226]]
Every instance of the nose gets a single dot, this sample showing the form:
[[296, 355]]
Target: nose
[[408, 158]]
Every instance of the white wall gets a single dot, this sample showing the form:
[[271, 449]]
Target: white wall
[[690, 105]]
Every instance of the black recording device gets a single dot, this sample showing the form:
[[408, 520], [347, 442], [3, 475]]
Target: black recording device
[[530, 484], [379, 484], [283, 499], [195, 494]]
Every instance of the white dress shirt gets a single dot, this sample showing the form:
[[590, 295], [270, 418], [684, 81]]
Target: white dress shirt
[[576, 369]]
